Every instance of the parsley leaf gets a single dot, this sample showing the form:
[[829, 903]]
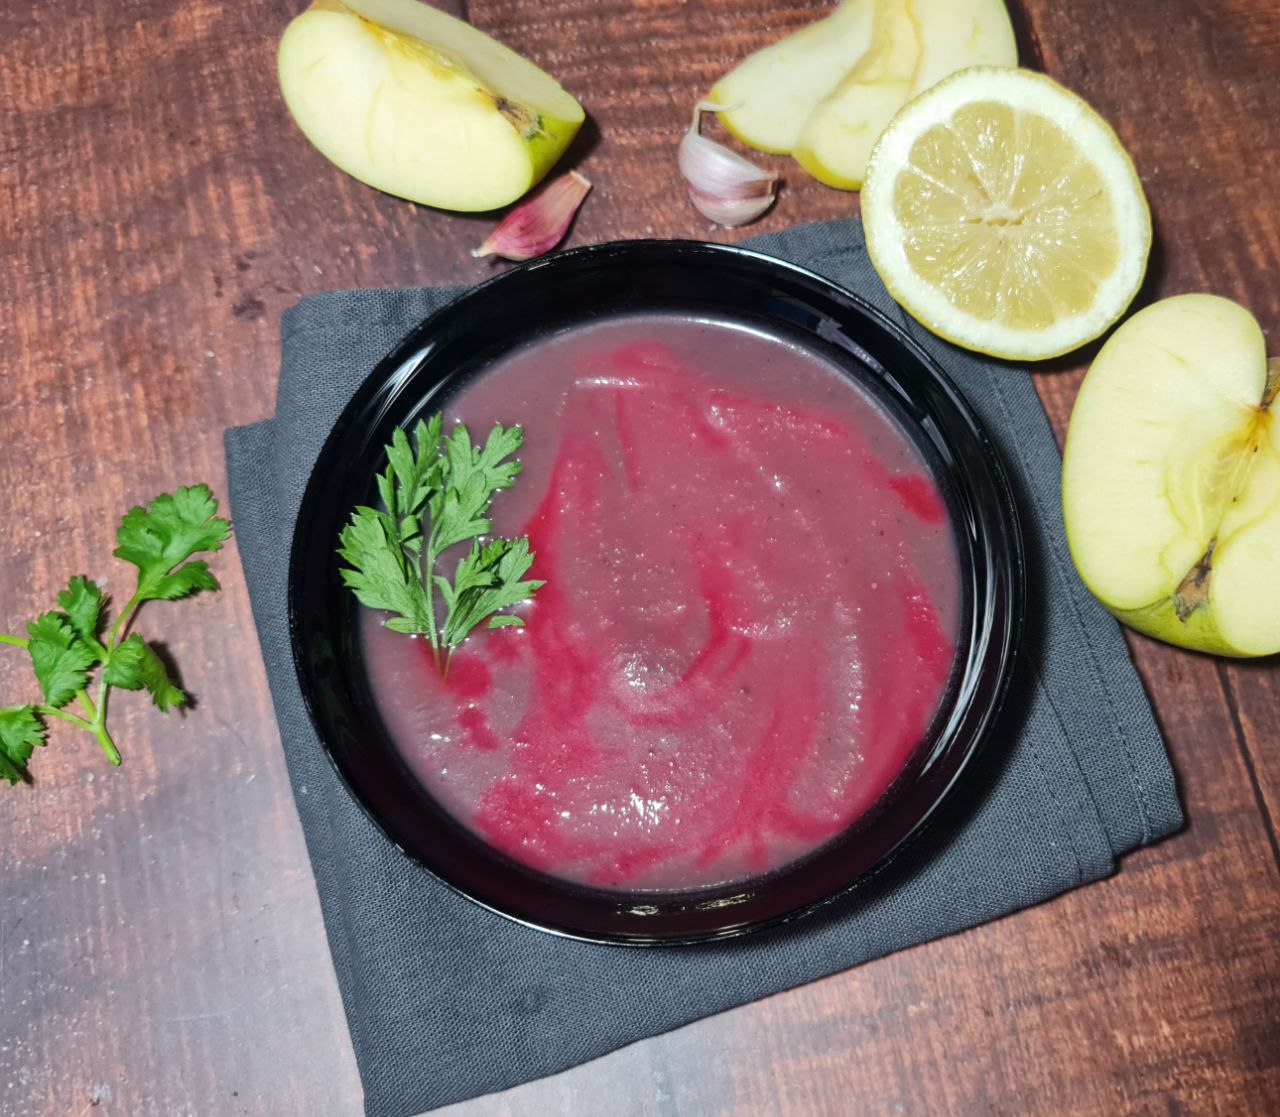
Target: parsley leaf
[[20, 732], [383, 546], [436, 493], [60, 658], [159, 540], [382, 575], [459, 512], [134, 665], [487, 580]]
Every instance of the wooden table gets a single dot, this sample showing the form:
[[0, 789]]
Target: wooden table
[[161, 950]]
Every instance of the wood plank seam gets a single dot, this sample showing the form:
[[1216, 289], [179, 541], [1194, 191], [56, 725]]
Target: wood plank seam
[[1242, 744]]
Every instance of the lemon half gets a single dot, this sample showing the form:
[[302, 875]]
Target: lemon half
[[1003, 213]]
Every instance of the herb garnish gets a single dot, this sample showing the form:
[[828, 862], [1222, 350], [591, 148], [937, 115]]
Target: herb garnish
[[67, 644], [436, 492]]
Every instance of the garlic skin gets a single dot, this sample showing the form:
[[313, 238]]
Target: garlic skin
[[722, 185], [538, 224]]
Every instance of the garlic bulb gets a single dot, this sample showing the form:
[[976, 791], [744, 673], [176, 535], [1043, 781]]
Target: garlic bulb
[[722, 185]]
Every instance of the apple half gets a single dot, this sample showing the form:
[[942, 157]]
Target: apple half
[[421, 105], [1171, 478]]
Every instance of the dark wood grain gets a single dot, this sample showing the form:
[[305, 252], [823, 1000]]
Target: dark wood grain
[[160, 944]]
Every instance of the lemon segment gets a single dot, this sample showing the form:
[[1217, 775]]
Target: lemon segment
[[1003, 213]]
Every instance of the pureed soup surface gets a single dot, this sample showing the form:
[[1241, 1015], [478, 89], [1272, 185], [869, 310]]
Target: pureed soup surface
[[749, 619]]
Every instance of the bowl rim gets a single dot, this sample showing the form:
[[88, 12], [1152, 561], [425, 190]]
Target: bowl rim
[[406, 359]]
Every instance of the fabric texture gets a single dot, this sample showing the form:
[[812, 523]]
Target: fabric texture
[[447, 1001]]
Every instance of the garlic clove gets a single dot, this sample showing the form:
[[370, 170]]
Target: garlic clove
[[729, 212], [538, 224], [723, 185]]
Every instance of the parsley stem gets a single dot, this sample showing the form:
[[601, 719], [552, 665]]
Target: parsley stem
[[13, 641], [429, 566]]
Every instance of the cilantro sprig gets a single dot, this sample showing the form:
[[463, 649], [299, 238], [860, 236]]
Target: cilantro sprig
[[68, 644], [436, 493]]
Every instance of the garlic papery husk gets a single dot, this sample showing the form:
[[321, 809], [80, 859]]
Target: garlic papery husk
[[723, 186], [537, 225]]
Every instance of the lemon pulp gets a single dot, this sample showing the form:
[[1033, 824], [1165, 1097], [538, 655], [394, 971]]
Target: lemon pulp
[[1000, 211]]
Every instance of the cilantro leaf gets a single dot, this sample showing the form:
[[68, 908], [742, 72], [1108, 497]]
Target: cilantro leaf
[[60, 658], [65, 645], [134, 665], [21, 731], [160, 538], [82, 603]]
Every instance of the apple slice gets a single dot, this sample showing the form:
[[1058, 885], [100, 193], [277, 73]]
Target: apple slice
[[421, 105], [773, 91], [836, 141], [1171, 478], [957, 34]]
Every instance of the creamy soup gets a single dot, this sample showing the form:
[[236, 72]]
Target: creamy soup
[[749, 620]]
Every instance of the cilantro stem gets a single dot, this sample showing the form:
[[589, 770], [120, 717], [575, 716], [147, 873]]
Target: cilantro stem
[[13, 641], [97, 722], [107, 745], [91, 711], [95, 726], [122, 621], [64, 715]]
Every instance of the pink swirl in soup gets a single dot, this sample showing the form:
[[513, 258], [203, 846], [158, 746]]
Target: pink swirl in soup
[[749, 619]]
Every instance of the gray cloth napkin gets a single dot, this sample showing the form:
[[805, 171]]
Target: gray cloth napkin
[[447, 1001]]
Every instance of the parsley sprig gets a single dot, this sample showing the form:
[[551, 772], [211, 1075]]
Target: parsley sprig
[[436, 493], [66, 645]]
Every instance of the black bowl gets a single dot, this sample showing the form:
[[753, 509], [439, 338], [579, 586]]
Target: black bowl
[[729, 284]]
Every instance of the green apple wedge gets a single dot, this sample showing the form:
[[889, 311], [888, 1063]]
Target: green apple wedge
[[1171, 478], [421, 105], [836, 141], [772, 92], [957, 34]]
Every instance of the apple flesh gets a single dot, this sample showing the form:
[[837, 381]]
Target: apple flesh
[[421, 105], [1171, 478], [836, 141], [957, 34], [772, 92], [915, 44]]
